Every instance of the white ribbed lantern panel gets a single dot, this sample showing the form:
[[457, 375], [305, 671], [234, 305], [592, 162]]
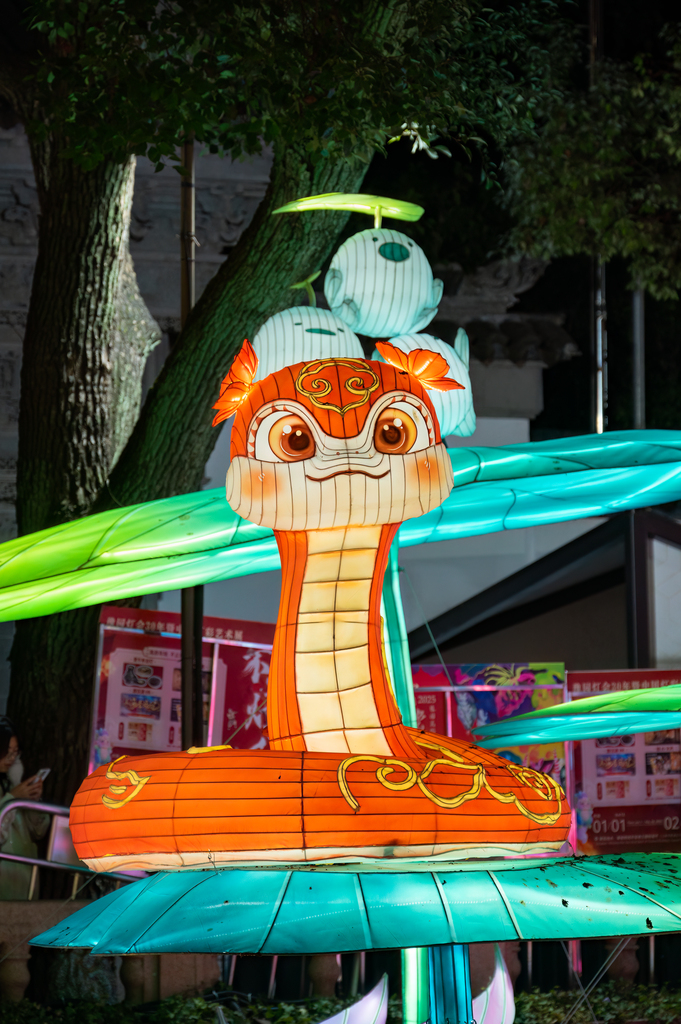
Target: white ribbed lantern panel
[[301, 334], [380, 284]]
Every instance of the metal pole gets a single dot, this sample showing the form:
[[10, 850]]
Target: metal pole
[[600, 334], [192, 597], [188, 668], [187, 232], [451, 1000], [197, 669], [639, 357]]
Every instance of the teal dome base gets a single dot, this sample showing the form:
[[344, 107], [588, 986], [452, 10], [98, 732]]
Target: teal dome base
[[341, 909]]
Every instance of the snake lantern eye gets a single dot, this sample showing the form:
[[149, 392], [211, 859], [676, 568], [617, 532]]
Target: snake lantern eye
[[291, 439], [395, 432]]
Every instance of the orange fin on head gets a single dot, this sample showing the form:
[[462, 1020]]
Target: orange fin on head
[[429, 368], [237, 383]]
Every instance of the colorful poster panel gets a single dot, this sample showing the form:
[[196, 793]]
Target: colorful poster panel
[[456, 701]]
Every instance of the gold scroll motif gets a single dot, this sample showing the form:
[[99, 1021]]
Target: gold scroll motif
[[545, 787], [132, 778], [320, 386]]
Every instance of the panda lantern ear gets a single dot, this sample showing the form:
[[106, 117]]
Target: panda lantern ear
[[429, 368], [237, 383]]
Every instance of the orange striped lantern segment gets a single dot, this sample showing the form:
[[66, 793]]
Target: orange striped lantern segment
[[221, 806]]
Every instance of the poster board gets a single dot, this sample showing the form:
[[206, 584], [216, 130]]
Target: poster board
[[465, 697], [627, 789], [137, 701]]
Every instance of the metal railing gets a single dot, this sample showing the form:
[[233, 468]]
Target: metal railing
[[37, 862]]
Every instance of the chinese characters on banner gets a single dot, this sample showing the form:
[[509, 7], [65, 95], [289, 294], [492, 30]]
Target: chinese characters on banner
[[627, 788], [138, 705], [481, 694]]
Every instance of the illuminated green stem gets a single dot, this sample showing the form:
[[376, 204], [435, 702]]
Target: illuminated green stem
[[396, 642], [415, 985]]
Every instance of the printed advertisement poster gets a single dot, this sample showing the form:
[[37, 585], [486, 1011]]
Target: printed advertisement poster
[[138, 699], [481, 694], [239, 712], [627, 789]]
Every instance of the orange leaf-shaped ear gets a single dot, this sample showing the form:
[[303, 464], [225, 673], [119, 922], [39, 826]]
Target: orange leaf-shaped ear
[[237, 383], [429, 368]]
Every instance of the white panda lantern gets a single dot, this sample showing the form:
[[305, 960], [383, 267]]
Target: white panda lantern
[[380, 284]]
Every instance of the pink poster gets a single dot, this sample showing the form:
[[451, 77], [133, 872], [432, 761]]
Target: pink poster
[[138, 698]]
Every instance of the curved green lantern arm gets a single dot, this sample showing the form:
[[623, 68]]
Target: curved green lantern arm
[[605, 714], [375, 206], [197, 538], [579, 727], [617, 449], [141, 549], [489, 508]]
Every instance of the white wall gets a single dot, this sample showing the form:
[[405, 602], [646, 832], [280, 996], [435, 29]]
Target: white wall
[[665, 563]]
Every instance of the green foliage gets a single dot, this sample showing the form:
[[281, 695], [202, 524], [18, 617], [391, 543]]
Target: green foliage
[[612, 1004], [463, 221], [122, 76], [604, 175], [182, 1010]]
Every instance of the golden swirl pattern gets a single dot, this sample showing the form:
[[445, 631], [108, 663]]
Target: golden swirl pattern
[[319, 387], [543, 785], [131, 778]]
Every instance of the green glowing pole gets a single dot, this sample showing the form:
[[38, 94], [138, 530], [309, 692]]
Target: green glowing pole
[[415, 985], [397, 645]]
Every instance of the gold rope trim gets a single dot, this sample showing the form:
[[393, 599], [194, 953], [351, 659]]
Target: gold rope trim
[[543, 785], [135, 780]]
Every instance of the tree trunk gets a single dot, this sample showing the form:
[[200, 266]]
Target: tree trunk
[[170, 445], [87, 338], [83, 358]]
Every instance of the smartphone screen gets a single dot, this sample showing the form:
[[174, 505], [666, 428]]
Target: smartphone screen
[[42, 774]]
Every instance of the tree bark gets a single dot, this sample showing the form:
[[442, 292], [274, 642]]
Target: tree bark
[[86, 341], [87, 338], [173, 437]]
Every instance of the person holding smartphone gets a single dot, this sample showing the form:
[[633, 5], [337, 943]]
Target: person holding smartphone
[[20, 830]]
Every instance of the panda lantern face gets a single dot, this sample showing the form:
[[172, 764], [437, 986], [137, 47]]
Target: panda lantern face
[[336, 443], [380, 284]]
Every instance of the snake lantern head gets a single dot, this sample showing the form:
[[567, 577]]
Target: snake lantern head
[[380, 284], [336, 442]]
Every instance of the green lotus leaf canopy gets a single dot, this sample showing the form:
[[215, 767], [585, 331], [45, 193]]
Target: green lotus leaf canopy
[[606, 714], [375, 206]]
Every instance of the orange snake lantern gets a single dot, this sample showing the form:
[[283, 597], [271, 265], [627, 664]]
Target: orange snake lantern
[[332, 454]]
